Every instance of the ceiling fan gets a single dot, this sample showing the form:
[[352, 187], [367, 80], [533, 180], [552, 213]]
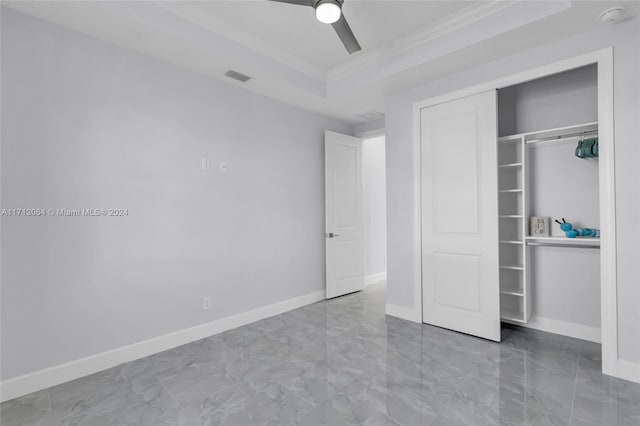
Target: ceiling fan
[[330, 12]]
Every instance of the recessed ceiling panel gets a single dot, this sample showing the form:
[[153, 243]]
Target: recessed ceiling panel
[[296, 30]]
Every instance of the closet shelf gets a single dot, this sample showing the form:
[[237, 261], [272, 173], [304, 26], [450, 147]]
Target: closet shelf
[[514, 190], [511, 242], [512, 267], [510, 165], [510, 216], [512, 293], [564, 241], [556, 132], [510, 139], [513, 316]]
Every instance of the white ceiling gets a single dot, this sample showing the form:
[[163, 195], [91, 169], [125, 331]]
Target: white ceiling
[[295, 59], [295, 29]]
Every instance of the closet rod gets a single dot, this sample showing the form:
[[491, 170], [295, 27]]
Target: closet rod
[[590, 246], [562, 137]]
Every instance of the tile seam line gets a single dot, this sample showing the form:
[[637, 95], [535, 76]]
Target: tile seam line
[[169, 392], [575, 386], [49, 398]]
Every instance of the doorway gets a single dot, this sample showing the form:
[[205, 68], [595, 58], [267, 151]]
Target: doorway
[[374, 203], [355, 212]]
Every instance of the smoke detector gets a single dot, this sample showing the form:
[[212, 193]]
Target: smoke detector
[[613, 14]]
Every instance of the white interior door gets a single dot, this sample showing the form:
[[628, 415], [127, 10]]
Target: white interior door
[[343, 196], [460, 269]]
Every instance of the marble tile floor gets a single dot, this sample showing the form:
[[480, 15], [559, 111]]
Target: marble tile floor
[[343, 362]]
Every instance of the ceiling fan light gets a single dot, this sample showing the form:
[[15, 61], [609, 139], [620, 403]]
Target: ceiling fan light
[[328, 12]]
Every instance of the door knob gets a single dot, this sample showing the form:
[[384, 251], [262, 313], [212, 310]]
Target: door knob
[[331, 235]]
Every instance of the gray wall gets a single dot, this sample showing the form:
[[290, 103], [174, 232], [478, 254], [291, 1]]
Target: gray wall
[[559, 100], [401, 170], [86, 124], [566, 281], [369, 126]]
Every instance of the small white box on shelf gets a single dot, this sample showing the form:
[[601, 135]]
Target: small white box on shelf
[[540, 226]]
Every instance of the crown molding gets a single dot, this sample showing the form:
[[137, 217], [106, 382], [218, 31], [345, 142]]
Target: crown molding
[[195, 38], [416, 40]]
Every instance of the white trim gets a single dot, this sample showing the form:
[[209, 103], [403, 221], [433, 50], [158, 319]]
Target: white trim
[[42, 379], [628, 370], [602, 55], [578, 331], [375, 278], [417, 214], [403, 312], [608, 275], [607, 194], [445, 26]]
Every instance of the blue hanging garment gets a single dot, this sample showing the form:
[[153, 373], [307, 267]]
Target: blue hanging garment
[[587, 148], [578, 152]]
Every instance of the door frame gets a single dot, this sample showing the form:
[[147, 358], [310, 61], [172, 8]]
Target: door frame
[[330, 267], [603, 58]]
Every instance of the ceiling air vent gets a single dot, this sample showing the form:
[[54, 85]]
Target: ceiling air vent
[[237, 76], [371, 115]]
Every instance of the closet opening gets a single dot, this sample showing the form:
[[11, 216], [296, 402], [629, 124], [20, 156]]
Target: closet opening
[[549, 204]]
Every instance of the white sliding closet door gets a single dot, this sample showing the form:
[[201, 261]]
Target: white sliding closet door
[[460, 269]]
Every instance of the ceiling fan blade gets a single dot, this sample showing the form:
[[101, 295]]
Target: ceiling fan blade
[[346, 35], [297, 2]]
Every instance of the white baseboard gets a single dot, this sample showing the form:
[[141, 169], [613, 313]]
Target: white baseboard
[[42, 379], [578, 331], [372, 279], [628, 370], [403, 312]]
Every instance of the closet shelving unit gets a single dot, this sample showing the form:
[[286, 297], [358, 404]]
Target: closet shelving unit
[[511, 196], [513, 178]]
